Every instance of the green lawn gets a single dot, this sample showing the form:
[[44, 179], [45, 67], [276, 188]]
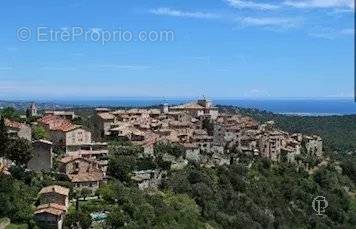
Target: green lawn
[[17, 226]]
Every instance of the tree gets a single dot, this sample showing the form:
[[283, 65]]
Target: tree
[[15, 200], [10, 113], [20, 151], [117, 218], [72, 220], [40, 133], [171, 149], [121, 166], [85, 192]]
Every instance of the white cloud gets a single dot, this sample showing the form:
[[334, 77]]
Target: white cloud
[[270, 21], [178, 13], [342, 11], [252, 5], [57, 68], [321, 3], [331, 34], [124, 67]]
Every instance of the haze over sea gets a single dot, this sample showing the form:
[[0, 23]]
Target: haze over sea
[[310, 107]]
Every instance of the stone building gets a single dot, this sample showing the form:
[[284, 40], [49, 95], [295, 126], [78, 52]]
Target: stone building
[[50, 216], [42, 159], [54, 194], [70, 115], [63, 133], [17, 129], [32, 111], [313, 145], [105, 121], [101, 156], [54, 202], [147, 178], [82, 172], [198, 108]]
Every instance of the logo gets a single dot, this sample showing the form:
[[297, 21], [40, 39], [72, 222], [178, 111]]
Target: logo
[[319, 205]]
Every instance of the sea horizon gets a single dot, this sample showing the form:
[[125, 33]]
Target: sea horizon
[[286, 106]]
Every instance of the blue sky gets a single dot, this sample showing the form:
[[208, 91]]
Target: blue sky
[[220, 48]]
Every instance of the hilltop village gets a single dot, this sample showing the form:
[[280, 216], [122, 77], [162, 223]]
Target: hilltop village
[[204, 135]]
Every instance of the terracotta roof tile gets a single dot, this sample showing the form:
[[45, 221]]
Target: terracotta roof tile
[[106, 116], [55, 188], [57, 123]]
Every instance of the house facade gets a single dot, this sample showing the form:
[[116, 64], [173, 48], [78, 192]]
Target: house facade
[[17, 129], [63, 133], [54, 202], [82, 172], [42, 159]]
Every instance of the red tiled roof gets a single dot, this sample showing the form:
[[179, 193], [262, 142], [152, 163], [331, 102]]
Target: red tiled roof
[[57, 123], [55, 188], [52, 209], [52, 205]]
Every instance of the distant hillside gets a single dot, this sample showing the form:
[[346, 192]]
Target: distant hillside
[[338, 132]]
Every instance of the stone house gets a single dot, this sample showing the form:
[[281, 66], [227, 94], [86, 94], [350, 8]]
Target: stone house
[[202, 139], [54, 194], [71, 136], [101, 156], [82, 172], [105, 121], [42, 159], [63, 133], [147, 178], [17, 129], [54, 202], [50, 216], [313, 145], [271, 145]]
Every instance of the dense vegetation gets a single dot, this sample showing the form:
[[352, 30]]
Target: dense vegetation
[[266, 196]]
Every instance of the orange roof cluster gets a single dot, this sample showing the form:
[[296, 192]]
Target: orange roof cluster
[[57, 123]]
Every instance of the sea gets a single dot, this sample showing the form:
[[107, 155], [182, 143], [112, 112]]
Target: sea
[[302, 107]]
